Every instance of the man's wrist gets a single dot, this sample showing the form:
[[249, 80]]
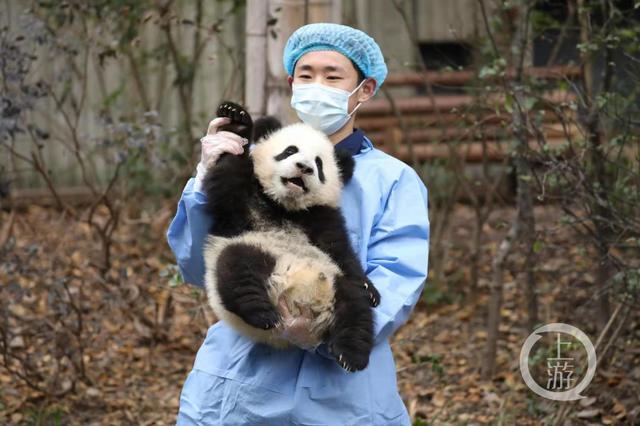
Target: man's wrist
[[201, 171]]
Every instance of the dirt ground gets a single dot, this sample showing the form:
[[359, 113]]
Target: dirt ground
[[85, 348]]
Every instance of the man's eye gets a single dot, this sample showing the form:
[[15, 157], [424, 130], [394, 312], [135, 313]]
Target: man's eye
[[333, 77], [304, 76]]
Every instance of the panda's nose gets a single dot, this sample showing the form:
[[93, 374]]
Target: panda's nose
[[304, 168]]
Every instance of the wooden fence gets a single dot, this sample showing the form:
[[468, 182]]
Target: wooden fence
[[219, 74]]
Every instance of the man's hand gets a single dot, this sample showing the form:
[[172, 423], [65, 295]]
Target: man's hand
[[297, 330], [214, 144]]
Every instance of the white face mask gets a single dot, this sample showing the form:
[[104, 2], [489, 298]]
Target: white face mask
[[322, 107]]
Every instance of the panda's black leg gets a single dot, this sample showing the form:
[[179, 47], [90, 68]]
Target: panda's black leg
[[242, 272], [350, 338]]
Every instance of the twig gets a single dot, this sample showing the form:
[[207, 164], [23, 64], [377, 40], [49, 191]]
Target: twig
[[564, 409], [571, 6], [606, 328], [487, 26], [135, 71], [403, 128], [614, 336], [5, 234]]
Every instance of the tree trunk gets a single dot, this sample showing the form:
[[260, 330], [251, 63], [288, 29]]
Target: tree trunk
[[522, 163], [526, 217], [524, 222], [599, 180], [495, 301], [475, 251]]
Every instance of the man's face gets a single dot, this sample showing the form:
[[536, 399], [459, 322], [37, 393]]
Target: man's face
[[332, 69]]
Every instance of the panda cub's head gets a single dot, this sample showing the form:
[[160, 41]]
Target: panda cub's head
[[298, 167]]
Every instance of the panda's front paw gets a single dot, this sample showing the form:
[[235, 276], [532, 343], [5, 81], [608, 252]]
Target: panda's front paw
[[372, 293], [351, 352], [241, 122]]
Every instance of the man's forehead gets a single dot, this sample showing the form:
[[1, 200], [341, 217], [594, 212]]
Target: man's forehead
[[324, 59]]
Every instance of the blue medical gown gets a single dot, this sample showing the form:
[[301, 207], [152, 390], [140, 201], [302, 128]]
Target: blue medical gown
[[237, 382]]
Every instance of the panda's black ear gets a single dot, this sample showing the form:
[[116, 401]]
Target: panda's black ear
[[264, 126], [346, 164]]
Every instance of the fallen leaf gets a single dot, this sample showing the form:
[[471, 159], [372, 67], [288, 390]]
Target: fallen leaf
[[585, 402], [438, 399], [588, 414]]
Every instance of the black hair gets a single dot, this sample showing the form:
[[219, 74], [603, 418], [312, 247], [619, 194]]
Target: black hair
[[359, 71]]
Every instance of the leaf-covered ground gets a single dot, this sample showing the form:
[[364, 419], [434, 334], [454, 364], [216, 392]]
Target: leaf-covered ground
[[82, 348], [440, 352]]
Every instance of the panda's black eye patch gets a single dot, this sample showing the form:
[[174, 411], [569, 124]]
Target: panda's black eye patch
[[320, 171], [289, 151]]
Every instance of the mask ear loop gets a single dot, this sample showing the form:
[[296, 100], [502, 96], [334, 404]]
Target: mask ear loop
[[357, 87], [354, 110], [354, 91]]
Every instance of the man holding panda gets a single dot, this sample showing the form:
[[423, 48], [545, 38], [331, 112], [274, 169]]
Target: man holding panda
[[332, 69]]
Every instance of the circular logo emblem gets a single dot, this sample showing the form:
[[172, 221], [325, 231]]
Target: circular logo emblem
[[559, 368]]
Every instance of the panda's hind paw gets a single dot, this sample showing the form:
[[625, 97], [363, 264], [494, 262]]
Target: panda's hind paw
[[372, 293], [264, 319], [350, 360]]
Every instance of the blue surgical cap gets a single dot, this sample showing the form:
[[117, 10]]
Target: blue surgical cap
[[352, 43]]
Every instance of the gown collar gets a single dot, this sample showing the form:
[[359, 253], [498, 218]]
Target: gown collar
[[352, 143]]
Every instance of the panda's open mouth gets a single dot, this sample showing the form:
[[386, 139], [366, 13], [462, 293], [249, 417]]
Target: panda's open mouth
[[294, 184]]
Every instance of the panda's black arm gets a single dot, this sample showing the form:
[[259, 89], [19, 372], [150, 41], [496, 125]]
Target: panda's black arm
[[325, 228], [229, 185], [350, 337], [346, 165]]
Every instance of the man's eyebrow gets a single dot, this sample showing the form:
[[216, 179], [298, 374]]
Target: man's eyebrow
[[328, 68]]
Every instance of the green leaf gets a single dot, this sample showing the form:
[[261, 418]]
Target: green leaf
[[537, 246], [529, 102], [508, 103]]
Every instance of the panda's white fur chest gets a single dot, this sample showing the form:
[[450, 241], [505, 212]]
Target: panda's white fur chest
[[303, 278], [262, 222]]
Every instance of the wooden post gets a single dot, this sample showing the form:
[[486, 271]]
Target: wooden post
[[255, 57], [290, 15]]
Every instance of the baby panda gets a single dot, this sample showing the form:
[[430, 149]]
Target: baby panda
[[278, 238]]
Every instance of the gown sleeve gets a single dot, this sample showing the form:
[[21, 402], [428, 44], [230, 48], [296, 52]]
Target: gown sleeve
[[187, 232], [398, 251]]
